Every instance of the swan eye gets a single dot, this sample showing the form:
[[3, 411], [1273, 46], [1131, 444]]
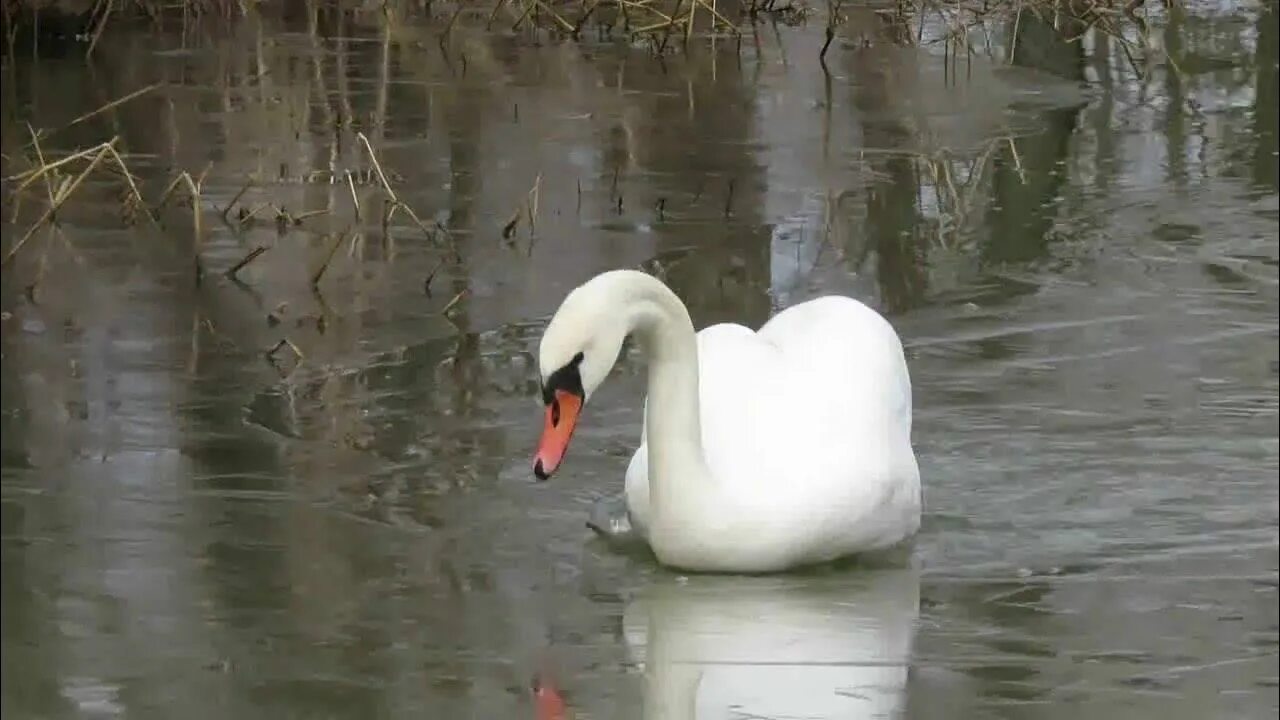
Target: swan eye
[[555, 413]]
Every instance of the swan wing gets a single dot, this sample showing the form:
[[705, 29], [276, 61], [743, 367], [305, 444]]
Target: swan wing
[[807, 424], [806, 428]]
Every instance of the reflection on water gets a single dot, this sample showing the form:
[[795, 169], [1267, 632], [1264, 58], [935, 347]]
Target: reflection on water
[[1084, 274], [714, 647]]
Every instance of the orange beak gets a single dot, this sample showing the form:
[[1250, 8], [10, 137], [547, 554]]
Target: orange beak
[[562, 417], [550, 705]]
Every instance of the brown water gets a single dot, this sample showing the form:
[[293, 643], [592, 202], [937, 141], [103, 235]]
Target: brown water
[[1082, 263]]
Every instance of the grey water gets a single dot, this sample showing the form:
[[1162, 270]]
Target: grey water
[[201, 520]]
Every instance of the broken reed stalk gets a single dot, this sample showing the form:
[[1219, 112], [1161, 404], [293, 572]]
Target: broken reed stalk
[[529, 208], [586, 15], [833, 15], [235, 199], [527, 9], [328, 258], [509, 228], [108, 106], [716, 14], [377, 166], [355, 200], [248, 216], [297, 355], [29, 176], [417, 221], [297, 219], [128, 178], [426, 284], [564, 24], [63, 193], [253, 255], [35, 142], [102, 24], [396, 204], [453, 303], [45, 170], [193, 188], [531, 203]]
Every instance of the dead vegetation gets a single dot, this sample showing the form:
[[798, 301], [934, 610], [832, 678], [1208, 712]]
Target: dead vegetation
[[967, 25], [53, 184], [39, 192]]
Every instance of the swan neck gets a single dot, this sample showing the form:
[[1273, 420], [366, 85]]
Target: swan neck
[[673, 419]]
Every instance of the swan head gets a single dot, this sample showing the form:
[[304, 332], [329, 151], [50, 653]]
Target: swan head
[[578, 350]]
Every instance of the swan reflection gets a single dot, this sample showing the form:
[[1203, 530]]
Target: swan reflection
[[734, 647]]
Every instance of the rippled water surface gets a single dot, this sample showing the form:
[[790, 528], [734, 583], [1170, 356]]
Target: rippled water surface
[[1080, 259]]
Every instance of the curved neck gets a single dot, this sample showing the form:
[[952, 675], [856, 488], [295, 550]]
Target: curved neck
[[673, 425]]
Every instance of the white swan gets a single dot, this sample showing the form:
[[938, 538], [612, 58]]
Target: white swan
[[760, 451]]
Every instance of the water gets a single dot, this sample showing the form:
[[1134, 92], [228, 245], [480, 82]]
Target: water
[[1082, 263]]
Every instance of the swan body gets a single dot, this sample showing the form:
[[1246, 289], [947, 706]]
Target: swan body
[[761, 451]]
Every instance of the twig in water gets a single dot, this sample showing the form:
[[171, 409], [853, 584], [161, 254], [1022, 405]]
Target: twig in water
[[453, 303], [395, 199], [666, 34], [243, 189], [102, 24], [283, 220], [388, 210], [355, 201], [716, 13], [509, 228], [45, 170], [564, 24], [426, 232], [192, 187], [253, 255], [382, 177], [168, 192], [531, 203], [284, 342], [297, 219], [128, 179], [448, 236], [527, 9], [247, 216], [832, 15], [35, 142], [426, 284], [582, 20], [114, 103], [29, 176], [315, 279], [494, 15], [1017, 161]]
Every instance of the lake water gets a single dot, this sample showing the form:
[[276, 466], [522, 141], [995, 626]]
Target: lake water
[[1080, 255]]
